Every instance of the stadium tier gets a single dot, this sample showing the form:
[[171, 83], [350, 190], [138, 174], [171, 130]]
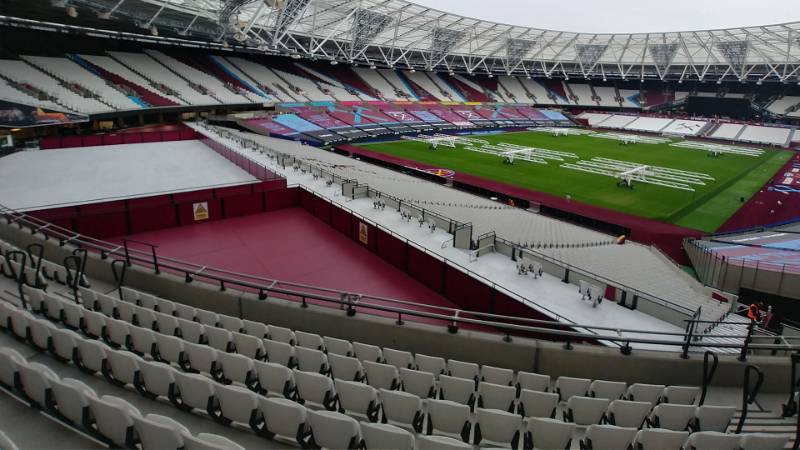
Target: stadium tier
[[371, 224]]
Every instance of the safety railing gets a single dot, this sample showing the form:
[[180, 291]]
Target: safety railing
[[452, 318]]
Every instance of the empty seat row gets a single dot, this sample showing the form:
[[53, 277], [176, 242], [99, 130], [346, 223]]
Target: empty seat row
[[111, 418]]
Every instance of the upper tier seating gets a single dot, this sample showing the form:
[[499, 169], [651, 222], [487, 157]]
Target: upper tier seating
[[71, 72], [113, 66], [156, 72], [25, 74], [608, 96], [267, 78], [215, 87], [12, 94]]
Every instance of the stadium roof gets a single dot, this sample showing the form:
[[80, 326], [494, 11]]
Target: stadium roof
[[397, 33]]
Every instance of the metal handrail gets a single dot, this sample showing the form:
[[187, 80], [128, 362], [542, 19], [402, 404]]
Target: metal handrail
[[459, 316]]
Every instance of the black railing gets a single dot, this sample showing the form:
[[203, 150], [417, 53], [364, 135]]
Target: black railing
[[381, 306]]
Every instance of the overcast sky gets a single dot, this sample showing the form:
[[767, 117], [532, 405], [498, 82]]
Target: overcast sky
[[625, 16]]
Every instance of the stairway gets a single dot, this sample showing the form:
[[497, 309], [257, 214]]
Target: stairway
[[765, 422]]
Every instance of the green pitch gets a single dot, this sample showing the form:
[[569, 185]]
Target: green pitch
[[705, 209]]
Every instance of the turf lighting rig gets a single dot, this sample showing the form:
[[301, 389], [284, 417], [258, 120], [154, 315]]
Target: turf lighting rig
[[628, 172]]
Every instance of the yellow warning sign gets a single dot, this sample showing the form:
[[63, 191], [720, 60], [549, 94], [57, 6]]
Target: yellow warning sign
[[363, 233], [200, 211]]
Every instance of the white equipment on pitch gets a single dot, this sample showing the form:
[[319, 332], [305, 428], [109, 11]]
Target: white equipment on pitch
[[445, 140], [628, 172], [626, 139], [561, 131], [717, 149]]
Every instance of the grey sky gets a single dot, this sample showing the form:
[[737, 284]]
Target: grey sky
[[625, 16]]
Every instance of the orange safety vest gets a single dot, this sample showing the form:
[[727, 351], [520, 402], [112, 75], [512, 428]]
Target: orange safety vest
[[752, 312]]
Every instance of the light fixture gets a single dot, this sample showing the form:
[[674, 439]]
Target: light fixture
[[334, 62]]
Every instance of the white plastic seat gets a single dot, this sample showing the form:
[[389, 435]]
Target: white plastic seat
[[401, 408], [441, 443], [608, 436], [230, 323], [114, 419], [533, 381], [419, 383], [92, 355], [128, 295], [282, 417], [37, 380], [105, 305], [73, 314], [196, 391], [627, 413], [10, 361], [279, 352], [170, 348], [281, 334], [117, 332], [548, 434], [337, 346], [185, 312], [660, 439], [497, 396], [367, 352], [207, 318], [249, 346], [610, 390], [126, 312], [345, 367], [310, 360], [712, 440], [72, 399], [358, 399], [497, 427], [713, 418], [538, 404], [764, 441], [459, 390], [431, 364], [157, 432], [497, 375], [208, 441], [236, 368], [333, 430], [64, 343], [315, 388], [20, 322], [123, 367], [53, 305], [148, 301], [309, 340], [201, 358], [36, 299], [41, 333], [94, 324], [219, 338], [146, 318], [165, 306], [88, 297], [381, 375], [398, 358], [384, 436], [461, 369], [255, 329], [191, 331], [158, 378], [238, 404], [672, 417], [167, 324], [274, 379], [585, 410], [143, 341], [641, 392], [567, 387], [449, 419], [680, 395]]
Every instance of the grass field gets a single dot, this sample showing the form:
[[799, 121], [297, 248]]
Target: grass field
[[705, 209]]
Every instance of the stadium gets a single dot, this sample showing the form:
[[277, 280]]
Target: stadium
[[372, 224]]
